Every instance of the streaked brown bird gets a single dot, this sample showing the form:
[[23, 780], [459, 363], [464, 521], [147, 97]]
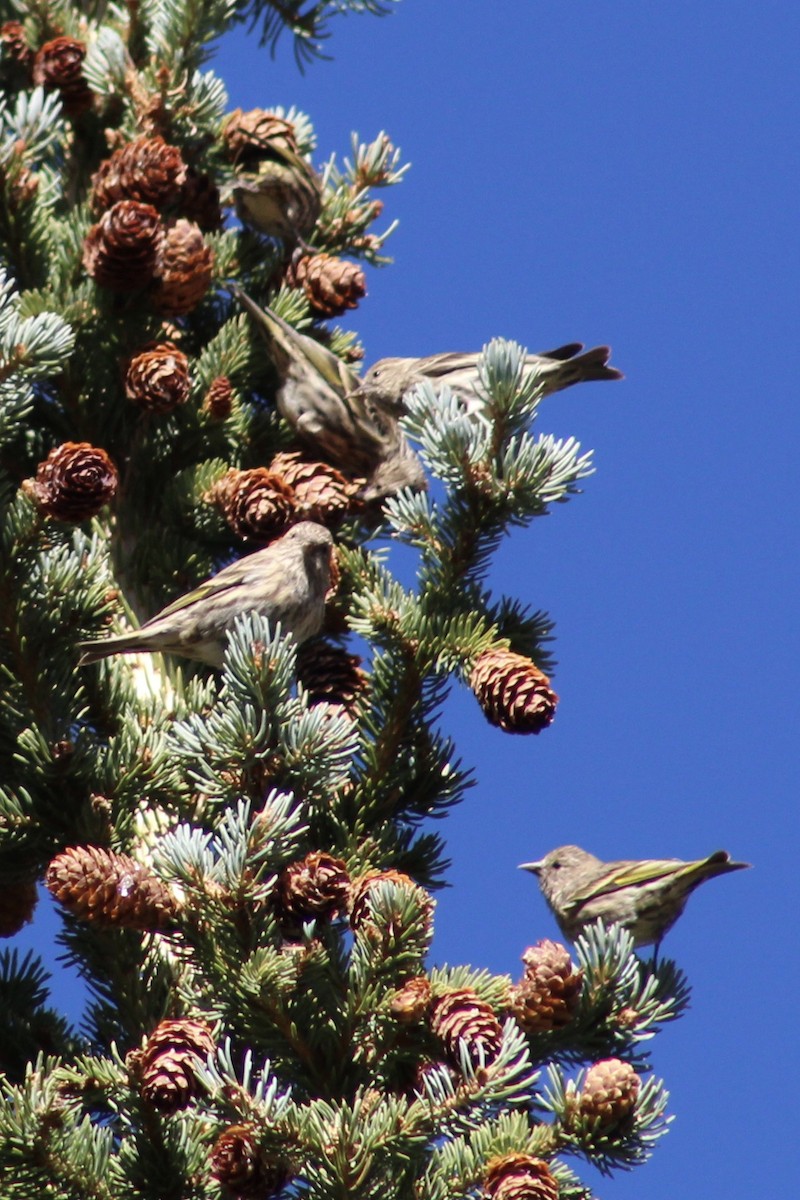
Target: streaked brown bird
[[646, 896], [281, 196]]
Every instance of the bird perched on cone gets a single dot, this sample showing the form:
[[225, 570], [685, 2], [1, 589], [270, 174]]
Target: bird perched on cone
[[388, 380], [286, 581], [646, 896], [318, 396], [282, 196]]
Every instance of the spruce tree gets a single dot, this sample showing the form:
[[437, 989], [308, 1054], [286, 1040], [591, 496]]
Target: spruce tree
[[244, 856]]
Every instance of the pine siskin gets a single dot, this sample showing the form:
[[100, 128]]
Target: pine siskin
[[646, 896], [388, 380], [286, 581], [318, 396], [282, 197]]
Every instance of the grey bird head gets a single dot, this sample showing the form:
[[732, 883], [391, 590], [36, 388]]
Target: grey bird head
[[559, 870], [387, 381]]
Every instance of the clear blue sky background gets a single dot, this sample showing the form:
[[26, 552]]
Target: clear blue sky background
[[624, 173]]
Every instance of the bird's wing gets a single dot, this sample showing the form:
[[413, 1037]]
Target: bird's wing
[[629, 875], [437, 365], [222, 582]]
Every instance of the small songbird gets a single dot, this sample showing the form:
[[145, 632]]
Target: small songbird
[[286, 581], [281, 195], [646, 896], [388, 380]]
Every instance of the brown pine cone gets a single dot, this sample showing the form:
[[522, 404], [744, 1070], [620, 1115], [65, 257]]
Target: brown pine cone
[[519, 1177], [157, 379], [330, 675], [15, 43], [218, 400], [315, 886], [332, 285], [248, 135], [111, 889], [238, 1164], [147, 169], [200, 201], [410, 1004], [166, 1065], [257, 504], [547, 995], [121, 251], [321, 493], [184, 269], [461, 1015], [74, 482], [608, 1095], [17, 902], [512, 691], [361, 896], [58, 65]]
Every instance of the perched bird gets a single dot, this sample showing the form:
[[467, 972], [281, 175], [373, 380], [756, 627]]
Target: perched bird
[[388, 380], [318, 397], [286, 581], [282, 196], [646, 896]]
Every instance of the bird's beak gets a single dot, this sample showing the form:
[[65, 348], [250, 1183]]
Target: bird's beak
[[535, 867]]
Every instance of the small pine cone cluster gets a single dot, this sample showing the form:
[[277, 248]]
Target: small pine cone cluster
[[461, 1016], [512, 691], [185, 269], [608, 1096], [166, 1065], [547, 995], [321, 493], [248, 135], [157, 379], [362, 896], [17, 902], [519, 1177], [257, 504], [147, 169], [238, 1164], [110, 889], [74, 482], [58, 66], [218, 400], [315, 886], [331, 285], [122, 250], [410, 1004], [330, 675]]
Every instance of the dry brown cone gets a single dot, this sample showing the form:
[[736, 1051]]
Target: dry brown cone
[[608, 1096], [512, 691], [166, 1065], [111, 889], [146, 169], [519, 1177], [331, 285], [15, 43], [238, 1164], [331, 675], [200, 202], [361, 896], [461, 1015], [157, 379], [58, 65], [218, 400], [257, 504], [74, 482], [121, 251], [184, 269], [247, 135], [547, 995], [321, 493], [315, 886], [17, 902], [410, 1004]]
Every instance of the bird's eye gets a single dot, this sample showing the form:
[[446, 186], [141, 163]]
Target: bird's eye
[[376, 374], [555, 865]]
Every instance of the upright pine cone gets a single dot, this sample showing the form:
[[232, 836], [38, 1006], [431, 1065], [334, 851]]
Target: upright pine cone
[[239, 1165], [15, 43], [218, 400], [330, 675], [519, 1177], [184, 269], [200, 201], [166, 1065], [547, 995], [58, 66], [608, 1096], [410, 1004], [121, 251], [17, 902], [362, 897], [249, 136], [146, 169], [461, 1015], [513, 692], [331, 285], [315, 886], [111, 889], [74, 482], [321, 493], [157, 379], [257, 504]]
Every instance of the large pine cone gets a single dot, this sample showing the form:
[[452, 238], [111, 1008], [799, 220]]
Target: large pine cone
[[361, 896], [58, 65], [249, 136], [74, 482], [257, 504], [461, 1015], [410, 1004], [157, 379], [315, 886], [184, 269], [331, 285], [166, 1065], [321, 493], [609, 1095], [146, 169], [121, 251], [519, 1177], [547, 995], [330, 675], [238, 1164], [110, 889], [512, 691]]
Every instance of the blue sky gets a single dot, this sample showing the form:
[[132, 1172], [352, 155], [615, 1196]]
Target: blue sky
[[620, 173]]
